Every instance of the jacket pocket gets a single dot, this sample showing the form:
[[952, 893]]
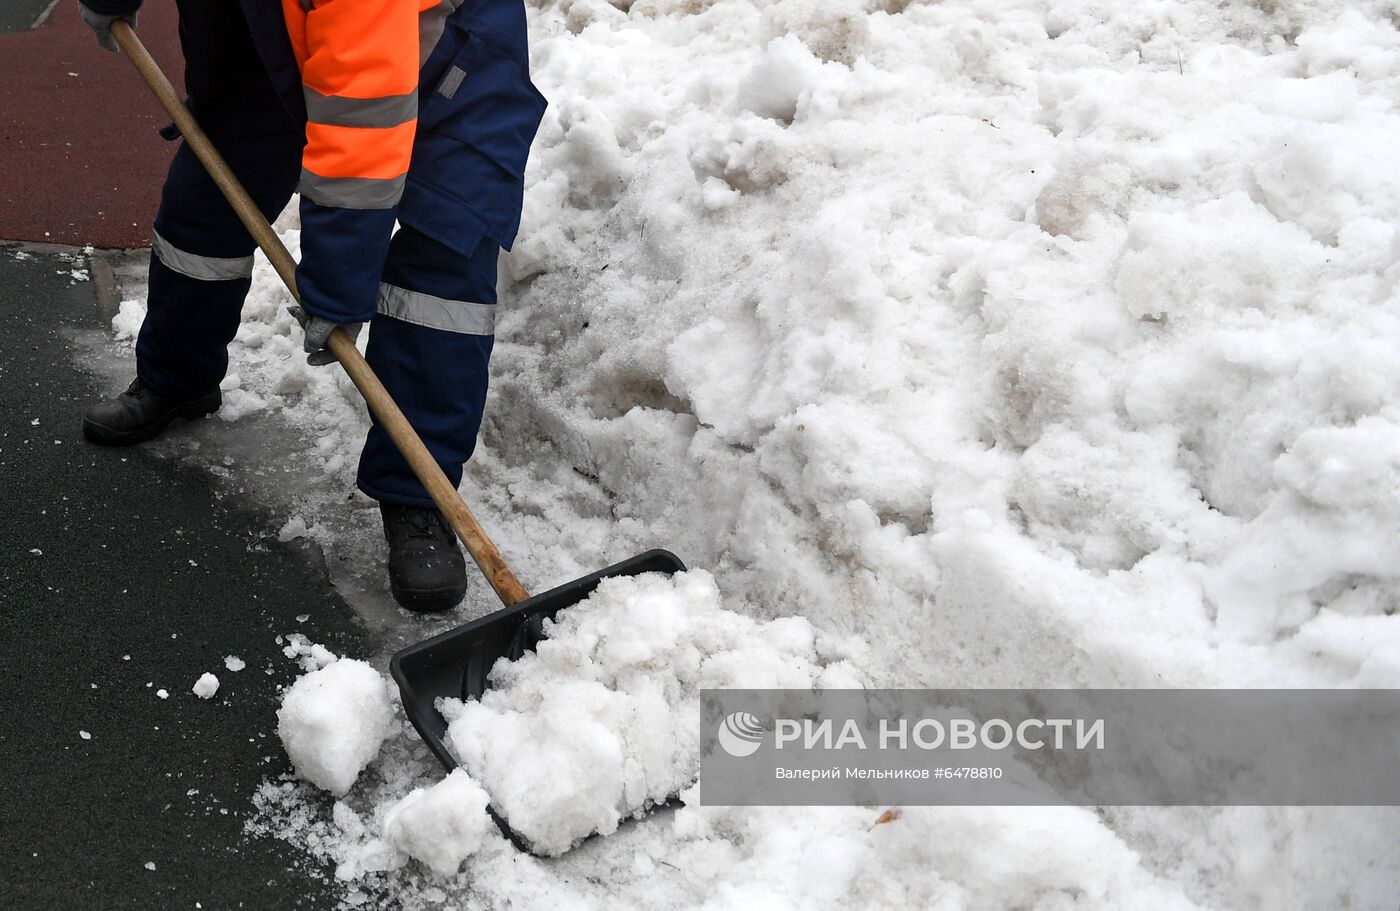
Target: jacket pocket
[[485, 100]]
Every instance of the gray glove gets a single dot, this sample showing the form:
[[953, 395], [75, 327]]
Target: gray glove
[[318, 332], [101, 25]]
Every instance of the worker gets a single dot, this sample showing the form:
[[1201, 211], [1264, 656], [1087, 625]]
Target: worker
[[377, 112]]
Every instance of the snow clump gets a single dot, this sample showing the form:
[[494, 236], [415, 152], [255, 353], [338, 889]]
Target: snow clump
[[126, 325], [442, 825], [206, 686], [310, 655], [332, 722]]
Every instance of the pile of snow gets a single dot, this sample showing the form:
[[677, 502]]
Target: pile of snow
[[603, 720], [332, 722], [1033, 343]]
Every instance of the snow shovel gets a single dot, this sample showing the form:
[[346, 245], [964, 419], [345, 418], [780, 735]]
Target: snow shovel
[[457, 663]]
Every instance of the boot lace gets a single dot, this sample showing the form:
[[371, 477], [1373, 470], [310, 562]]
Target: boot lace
[[422, 523], [138, 390]]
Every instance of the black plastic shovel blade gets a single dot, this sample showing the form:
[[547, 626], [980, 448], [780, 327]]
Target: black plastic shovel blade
[[456, 663]]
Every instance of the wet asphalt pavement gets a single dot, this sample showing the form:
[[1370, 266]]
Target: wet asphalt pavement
[[122, 574]]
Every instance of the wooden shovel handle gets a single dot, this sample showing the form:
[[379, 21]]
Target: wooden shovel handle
[[448, 500]]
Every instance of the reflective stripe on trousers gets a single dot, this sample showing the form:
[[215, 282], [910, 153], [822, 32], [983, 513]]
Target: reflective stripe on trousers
[[464, 317], [203, 268]]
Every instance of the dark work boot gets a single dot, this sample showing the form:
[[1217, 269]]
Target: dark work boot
[[139, 414], [427, 572]]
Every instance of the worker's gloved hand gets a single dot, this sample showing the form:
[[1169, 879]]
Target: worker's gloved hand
[[101, 24], [318, 331]]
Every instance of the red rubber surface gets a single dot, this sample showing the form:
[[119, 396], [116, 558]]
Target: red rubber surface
[[80, 161]]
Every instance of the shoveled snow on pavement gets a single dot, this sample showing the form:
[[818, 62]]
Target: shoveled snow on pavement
[[1034, 344], [602, 721], [598, 725]]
